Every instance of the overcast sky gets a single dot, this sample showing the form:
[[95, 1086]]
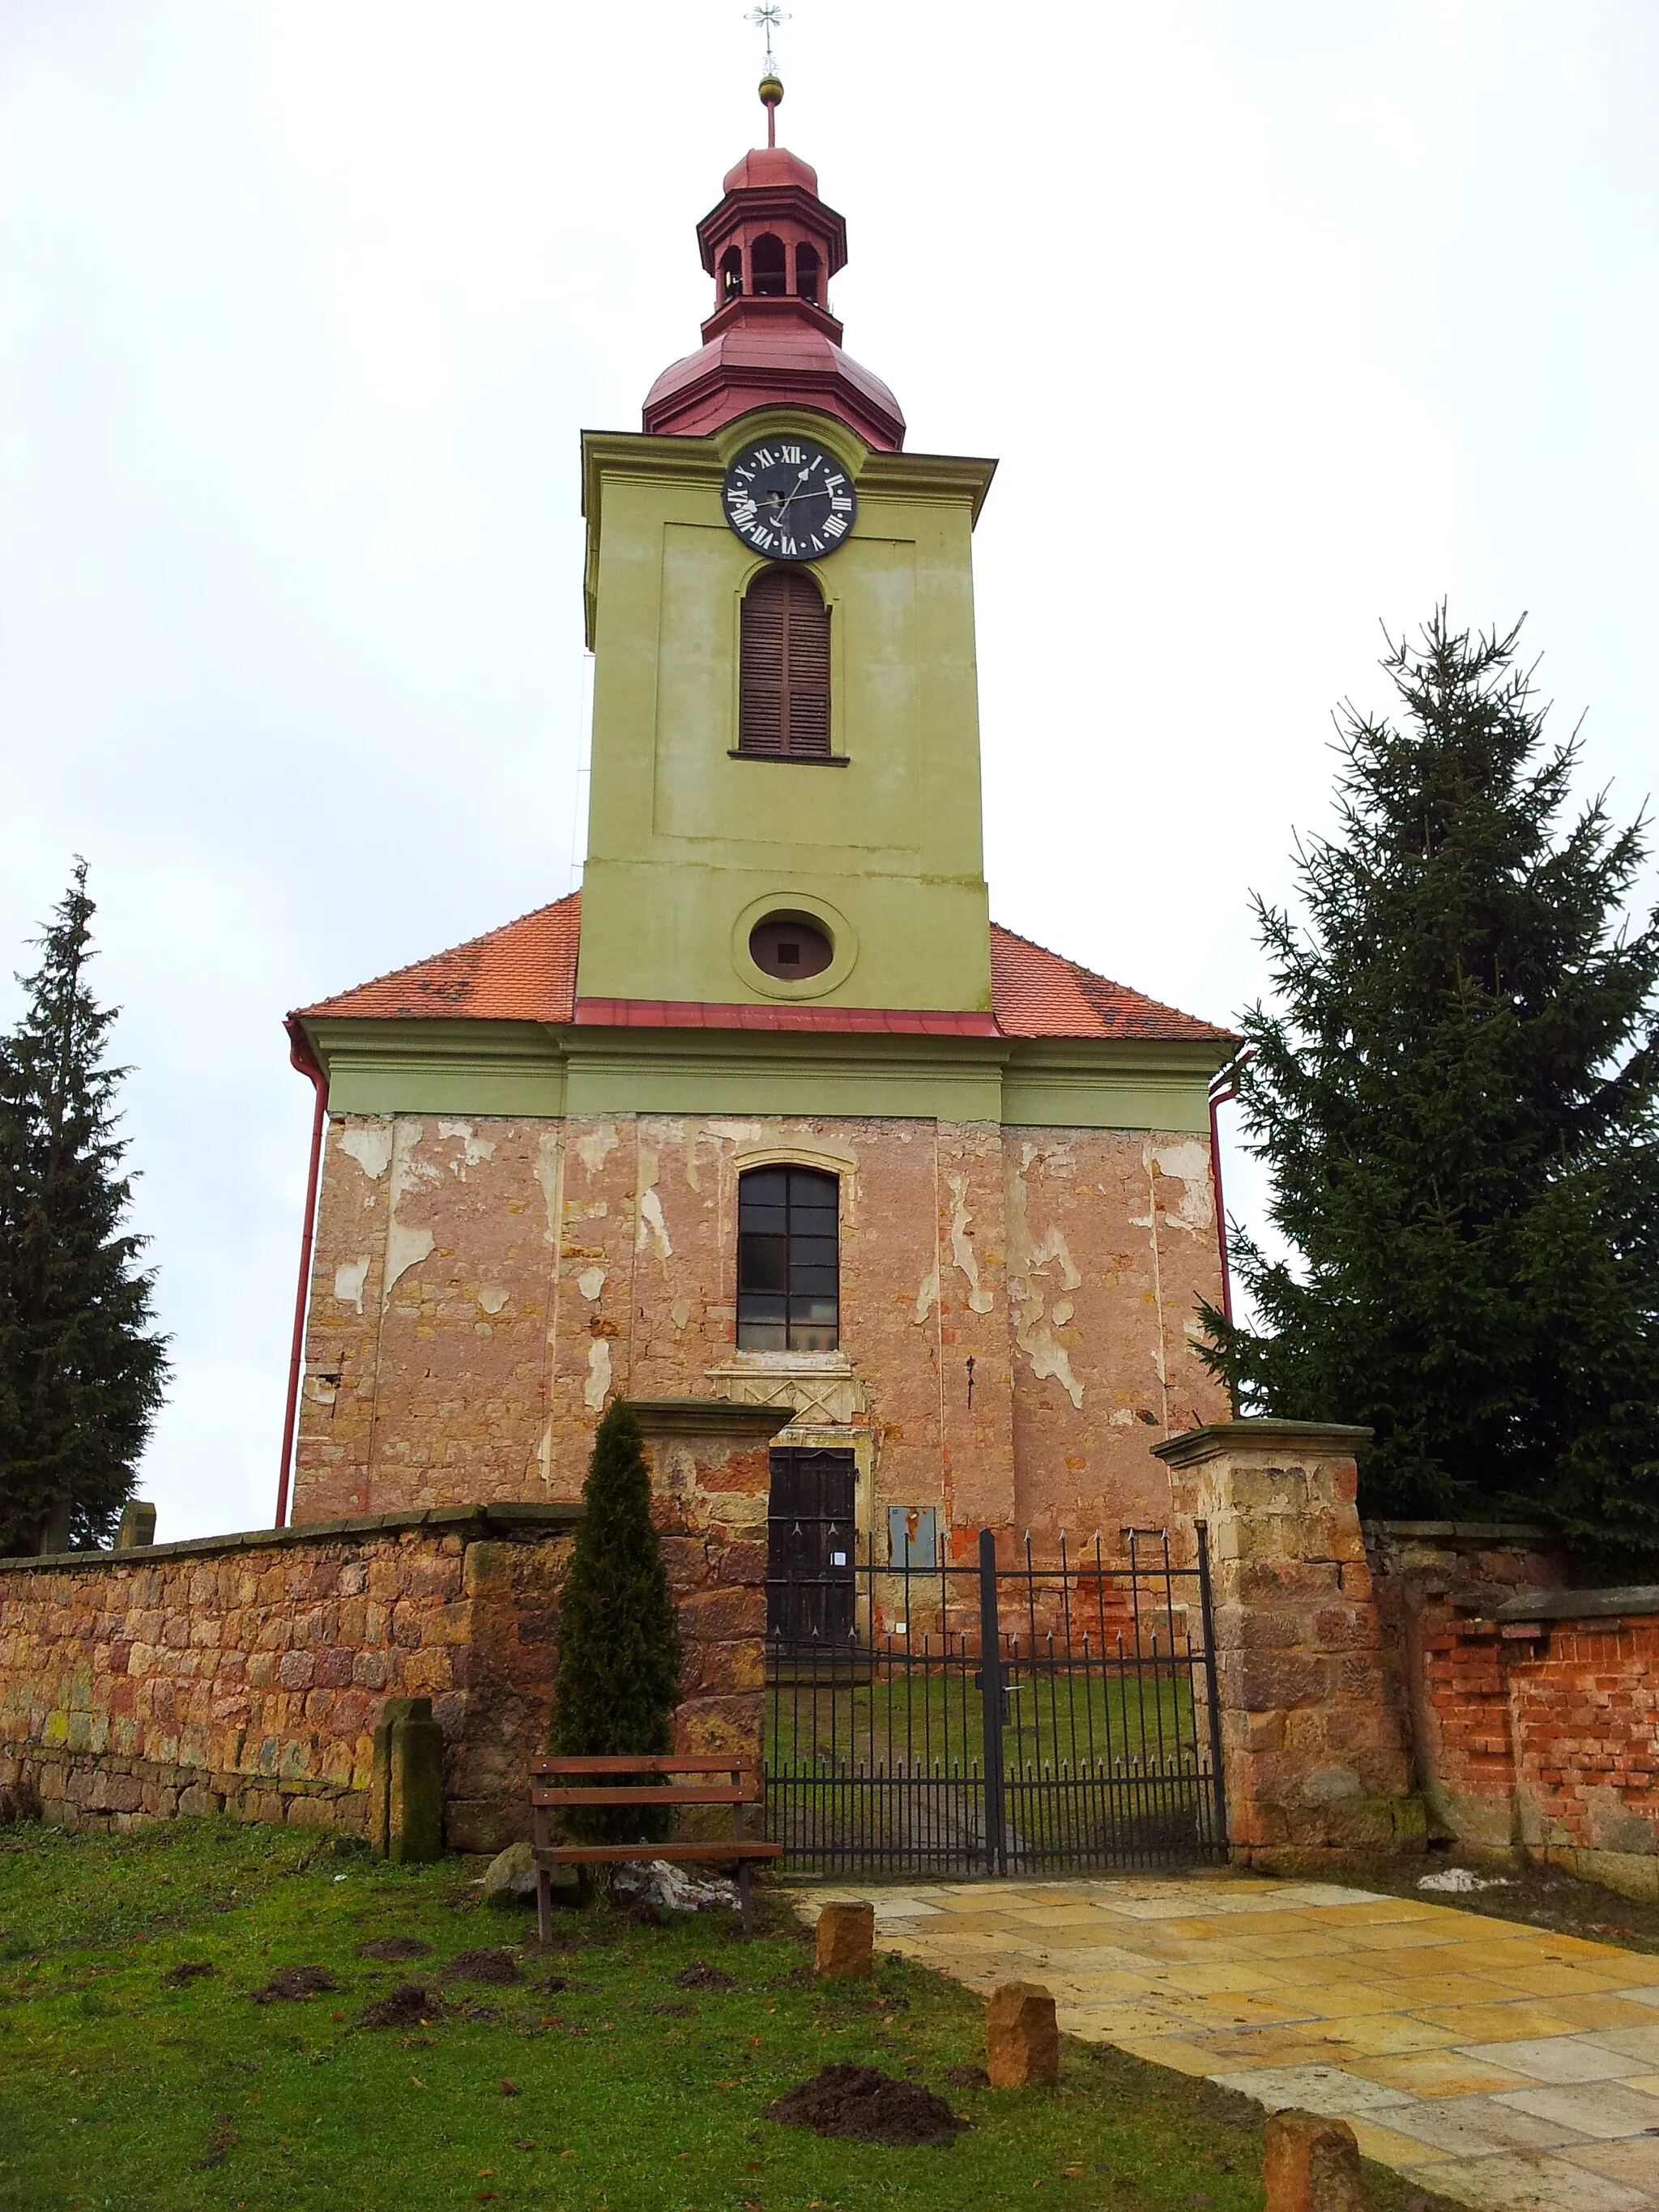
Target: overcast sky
[[1284, 320]]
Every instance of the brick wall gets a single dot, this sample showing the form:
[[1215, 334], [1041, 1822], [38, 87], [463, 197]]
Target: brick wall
[[1439, 1585], [1583, 1698], [1534, 1708], [481, 1287]]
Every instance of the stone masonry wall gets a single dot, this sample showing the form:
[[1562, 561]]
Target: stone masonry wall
[[246, 1674], [481, 1287], [1314, 1748]]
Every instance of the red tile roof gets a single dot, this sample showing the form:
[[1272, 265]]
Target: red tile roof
[[1037, 994], [527, 972]]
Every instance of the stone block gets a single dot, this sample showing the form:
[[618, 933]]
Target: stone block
[[1312, 2165], [310, 1812], [845, 1948], [1022, 2041]]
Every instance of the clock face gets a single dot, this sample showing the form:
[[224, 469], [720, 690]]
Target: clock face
[[790, 500]]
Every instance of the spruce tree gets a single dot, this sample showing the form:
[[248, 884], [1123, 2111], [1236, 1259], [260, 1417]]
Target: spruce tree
[[619, 1643], [1454, 1090], [81, 1371]]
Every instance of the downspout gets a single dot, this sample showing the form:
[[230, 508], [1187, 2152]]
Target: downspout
[[303, 1058], [1222, 1092]]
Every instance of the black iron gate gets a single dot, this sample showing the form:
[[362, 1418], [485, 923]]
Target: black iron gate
[[997, 1718]]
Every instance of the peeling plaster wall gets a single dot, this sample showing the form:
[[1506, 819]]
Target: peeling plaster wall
[[483, 1287]]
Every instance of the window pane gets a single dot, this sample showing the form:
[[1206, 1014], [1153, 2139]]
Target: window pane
[[763, 1186], [761, 1336], [762, 1263], [804, 1336]]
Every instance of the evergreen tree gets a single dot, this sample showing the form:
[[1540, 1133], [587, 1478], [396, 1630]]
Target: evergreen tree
[[81, 1372], [619, 1641], [1455, 1094]]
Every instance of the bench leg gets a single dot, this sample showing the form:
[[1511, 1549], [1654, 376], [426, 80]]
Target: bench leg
[[745, 1897], [543, 1881]]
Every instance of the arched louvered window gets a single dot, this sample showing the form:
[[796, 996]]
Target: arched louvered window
[[784, 681]]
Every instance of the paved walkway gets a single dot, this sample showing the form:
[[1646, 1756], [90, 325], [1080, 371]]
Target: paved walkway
[[1502, 2066]]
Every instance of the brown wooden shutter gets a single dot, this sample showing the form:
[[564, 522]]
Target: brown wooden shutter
[[784, 678]]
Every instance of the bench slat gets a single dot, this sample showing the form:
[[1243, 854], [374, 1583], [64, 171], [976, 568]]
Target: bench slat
[[646, 1763], [637, 1797], [677, 1854]]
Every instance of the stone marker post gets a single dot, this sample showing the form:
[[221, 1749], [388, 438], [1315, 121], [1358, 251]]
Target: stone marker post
[[1312, 2165], [406, 1792], [845, 1942], [1022, 2039], [137, 1527], [1313, 1748]]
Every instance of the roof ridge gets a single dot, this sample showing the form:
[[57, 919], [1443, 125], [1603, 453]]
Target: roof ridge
[[447, 952]]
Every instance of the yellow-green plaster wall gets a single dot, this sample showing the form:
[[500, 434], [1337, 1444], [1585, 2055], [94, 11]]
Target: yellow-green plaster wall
[[527, 1070], [688, 846]]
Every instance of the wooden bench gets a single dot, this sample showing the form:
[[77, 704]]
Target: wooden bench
[[553, 1783]]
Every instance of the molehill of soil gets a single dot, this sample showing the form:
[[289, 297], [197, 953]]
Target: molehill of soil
[[289, 1984], [190, 1970], [482, 1966], [395, 1948], [862, 2103], [699, 1975], [407, 2006]]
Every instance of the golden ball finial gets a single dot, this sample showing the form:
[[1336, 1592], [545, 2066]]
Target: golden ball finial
[[771, 89]]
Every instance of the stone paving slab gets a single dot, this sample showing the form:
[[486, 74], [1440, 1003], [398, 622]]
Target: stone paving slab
[[1506, 2068]]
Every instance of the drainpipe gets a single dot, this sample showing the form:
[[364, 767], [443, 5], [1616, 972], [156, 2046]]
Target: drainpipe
[[303, 1058], [1221, 1091]]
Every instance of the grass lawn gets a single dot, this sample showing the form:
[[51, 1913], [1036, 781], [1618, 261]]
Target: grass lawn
[[620, 2092]]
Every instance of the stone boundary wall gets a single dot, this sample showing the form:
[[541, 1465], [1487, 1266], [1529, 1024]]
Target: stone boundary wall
[[246, 1674]]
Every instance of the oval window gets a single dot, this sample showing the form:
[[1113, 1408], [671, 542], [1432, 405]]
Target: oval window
[[790, 948]]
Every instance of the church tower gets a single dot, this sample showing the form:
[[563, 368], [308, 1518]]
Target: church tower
[[786, 785], [770, 1111]]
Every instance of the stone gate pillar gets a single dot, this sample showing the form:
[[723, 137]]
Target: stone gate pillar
[[1315, 1754]]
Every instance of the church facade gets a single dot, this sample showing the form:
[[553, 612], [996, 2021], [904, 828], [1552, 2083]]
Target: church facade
[[770, 1110]]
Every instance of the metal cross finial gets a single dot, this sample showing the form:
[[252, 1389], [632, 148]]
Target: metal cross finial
[[767, 17]]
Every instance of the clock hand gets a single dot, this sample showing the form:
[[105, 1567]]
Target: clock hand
[[799, 488]]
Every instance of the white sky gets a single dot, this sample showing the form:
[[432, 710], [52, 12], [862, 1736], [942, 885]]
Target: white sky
[[1283, 317]]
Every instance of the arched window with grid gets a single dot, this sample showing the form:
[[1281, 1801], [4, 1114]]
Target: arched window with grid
[[788, 1260]]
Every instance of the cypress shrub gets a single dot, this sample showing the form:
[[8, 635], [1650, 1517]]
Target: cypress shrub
[[619, 1643]]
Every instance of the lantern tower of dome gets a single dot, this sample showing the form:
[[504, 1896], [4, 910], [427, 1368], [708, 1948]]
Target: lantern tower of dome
[[771, 247]]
